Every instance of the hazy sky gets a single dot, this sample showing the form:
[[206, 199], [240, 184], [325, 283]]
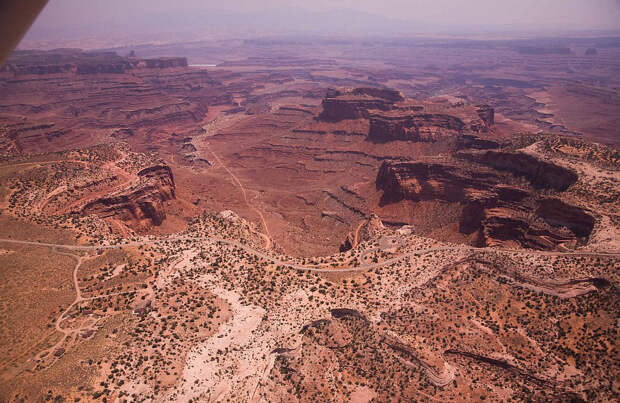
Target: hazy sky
[[125, 17]]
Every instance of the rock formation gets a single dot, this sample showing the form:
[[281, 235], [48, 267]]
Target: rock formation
[[499, 213], [383, 93], [163, 62], [368, 229], [471, 141], [487, 114], [411, 127], [142, 202], [356, 103], [540, 173], [560, 214]]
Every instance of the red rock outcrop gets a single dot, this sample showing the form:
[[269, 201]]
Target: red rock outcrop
[[474, 142], [499, 214], [368, 229], [383, 93], [417, 181], [487, 114], [540, 173], [557, 213], [412, 127], [356, 103], [142, 202]]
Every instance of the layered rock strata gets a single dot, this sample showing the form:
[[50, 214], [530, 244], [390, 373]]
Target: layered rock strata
[[141, 203], [498, 214]]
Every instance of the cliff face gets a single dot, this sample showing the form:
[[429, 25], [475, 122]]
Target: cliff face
[[474, 142], [415, 127], [419, 181], [393, 118], [499, 214], [142, 203], [557, 213], [383, 93], [487, 114], [357, 103], [540, 173], [337, 109]]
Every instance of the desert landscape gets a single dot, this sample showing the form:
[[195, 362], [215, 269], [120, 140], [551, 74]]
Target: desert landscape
[[311, 219]]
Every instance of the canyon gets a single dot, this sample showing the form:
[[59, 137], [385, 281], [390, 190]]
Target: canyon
[[311, 219]]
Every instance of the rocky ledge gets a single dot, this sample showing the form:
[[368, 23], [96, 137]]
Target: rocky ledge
[[412, 127], [142, 203], [393, 117], [356, 103], [498, 215], [540, 173]]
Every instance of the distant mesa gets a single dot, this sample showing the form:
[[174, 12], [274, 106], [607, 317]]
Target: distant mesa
[[356, 103], [591, 52], [79, 62], [162, 62], [392, 117], [531, 50], [412, 127], [383, 93]]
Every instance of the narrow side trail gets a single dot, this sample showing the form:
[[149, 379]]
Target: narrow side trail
[[72, 333], [211, 128], [66, 333], [580, 286], [288, 264], [357, 232], [266, 235]]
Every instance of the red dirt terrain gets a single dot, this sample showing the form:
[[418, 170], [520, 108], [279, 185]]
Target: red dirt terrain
[[332, 221]]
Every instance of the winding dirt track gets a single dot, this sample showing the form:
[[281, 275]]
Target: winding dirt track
[[70, 333], [73, 333], [274, 260], [266, 235], [209, 128], [357, 232]]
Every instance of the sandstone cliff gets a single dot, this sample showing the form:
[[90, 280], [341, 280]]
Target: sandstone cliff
[[487, 114], [140, 204], [499, 214], [412, 127], [357, 103], [540, 173]]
